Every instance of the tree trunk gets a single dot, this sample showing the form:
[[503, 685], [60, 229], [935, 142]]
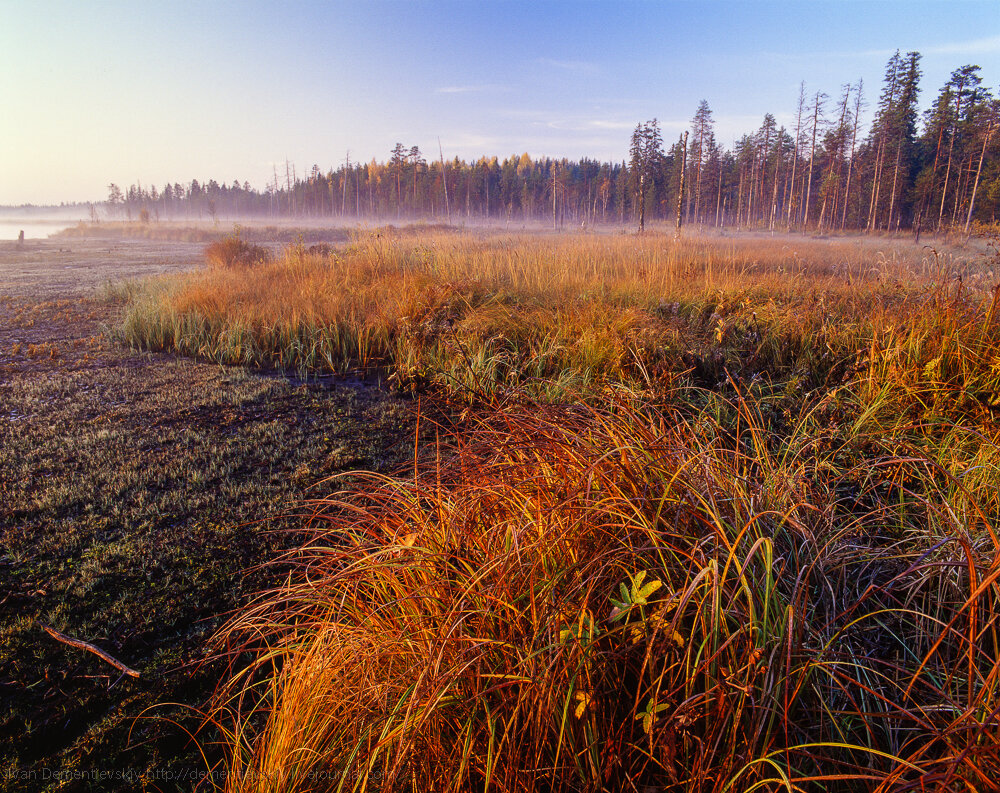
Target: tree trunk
[[777, 174], [895, 178], [697, 185], [963, 173], [718, 196], [951, 149], [795, 155], [553, 195], [680, 191], [739, 203], [347, 171], [812, 157], [876, 184], [642, 203], [444, 180], [850, 163], [979, 170]]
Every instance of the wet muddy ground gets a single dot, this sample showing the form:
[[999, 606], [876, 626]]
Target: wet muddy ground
[[139, 496]]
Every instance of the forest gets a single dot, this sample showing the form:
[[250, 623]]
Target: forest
[[933, 170]]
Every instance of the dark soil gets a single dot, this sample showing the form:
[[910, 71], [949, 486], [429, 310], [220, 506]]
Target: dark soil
[[140, 496]]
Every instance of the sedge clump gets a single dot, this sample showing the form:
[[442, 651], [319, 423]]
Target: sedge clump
[[234, 252]]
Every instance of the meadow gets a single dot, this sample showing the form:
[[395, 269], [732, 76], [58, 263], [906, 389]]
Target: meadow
[[721, 514]]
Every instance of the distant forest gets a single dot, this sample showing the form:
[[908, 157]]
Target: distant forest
[[937, 171]]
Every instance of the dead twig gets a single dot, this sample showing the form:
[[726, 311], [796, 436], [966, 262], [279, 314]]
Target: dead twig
[[82, 645]]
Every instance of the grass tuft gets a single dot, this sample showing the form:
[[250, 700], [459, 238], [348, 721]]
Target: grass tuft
[[233, 252], [613, 599], [728, 523]]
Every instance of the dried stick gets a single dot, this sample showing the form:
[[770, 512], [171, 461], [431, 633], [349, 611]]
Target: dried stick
[[82, 645]]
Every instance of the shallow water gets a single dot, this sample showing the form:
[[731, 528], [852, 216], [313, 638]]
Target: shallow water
[[33, 229]]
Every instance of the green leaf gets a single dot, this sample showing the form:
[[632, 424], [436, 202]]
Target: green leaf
[[636, 583], [648, 590]]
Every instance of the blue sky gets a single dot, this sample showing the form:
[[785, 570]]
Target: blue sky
[[154, 91]]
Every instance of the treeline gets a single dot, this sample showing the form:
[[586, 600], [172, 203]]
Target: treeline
[[937, 171]]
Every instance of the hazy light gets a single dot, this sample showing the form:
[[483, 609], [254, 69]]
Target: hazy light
[[122, 92]]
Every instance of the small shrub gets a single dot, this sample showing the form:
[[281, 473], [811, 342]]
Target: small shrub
[[320, 249], [234, 252]]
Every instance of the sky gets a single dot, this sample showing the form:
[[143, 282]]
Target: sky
[[156, 91]]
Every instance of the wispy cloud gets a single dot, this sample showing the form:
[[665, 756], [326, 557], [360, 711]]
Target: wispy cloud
[[988, 44], [600, 123], [797, 57], [474, 143], [471, 89], [567, 123], [584, 125], [980, 46], [540, 139], [579, 67]]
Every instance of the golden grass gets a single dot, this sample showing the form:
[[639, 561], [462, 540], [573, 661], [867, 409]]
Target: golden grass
[[729, 523], [622, 598], [494, 312]]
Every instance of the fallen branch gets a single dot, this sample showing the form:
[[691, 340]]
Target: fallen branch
[[82, 645]]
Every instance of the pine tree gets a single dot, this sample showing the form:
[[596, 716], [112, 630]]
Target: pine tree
[[832, 157], [882, 131], [963, 88], [904, 122], [396, 166], [646, 154], [702, 143]]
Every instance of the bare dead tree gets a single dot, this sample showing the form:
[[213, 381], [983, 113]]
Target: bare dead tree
[[979, 170], [444, 179], [850, 161], [817, 108], [795, 152], [680, 189]]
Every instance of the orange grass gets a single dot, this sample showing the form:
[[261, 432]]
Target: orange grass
[[625, 599], [759, 553], [490, 313], [234, 252]]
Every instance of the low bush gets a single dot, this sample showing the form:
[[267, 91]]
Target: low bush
[[233, 252]]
